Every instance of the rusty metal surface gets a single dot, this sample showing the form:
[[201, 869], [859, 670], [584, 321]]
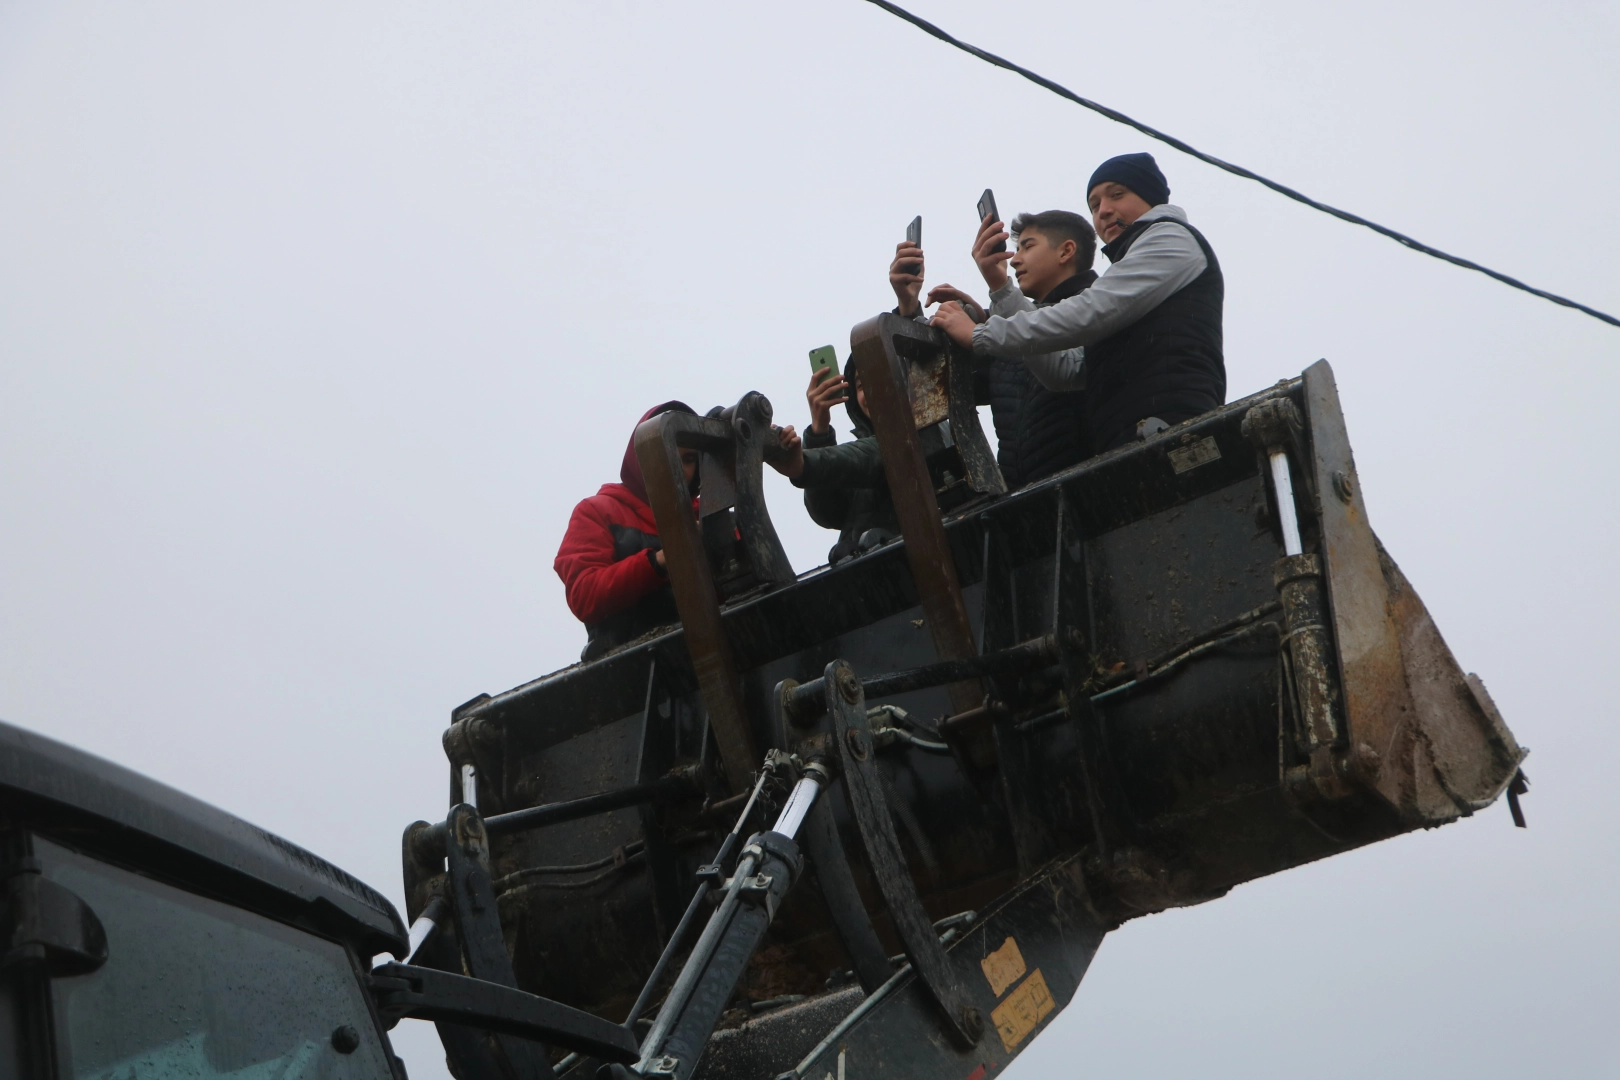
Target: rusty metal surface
[[978, 460], [933, 567], [940, 386], [1310, 648], [1377, 703], [1459, 733], [1418, 733], [658, 448], [928, 384]]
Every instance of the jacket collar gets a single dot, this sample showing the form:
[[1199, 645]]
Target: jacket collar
[[1069, 286], [1116, 249]]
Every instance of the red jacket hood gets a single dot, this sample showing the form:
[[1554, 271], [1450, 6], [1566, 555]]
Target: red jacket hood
[[632, 502], [630, 471]]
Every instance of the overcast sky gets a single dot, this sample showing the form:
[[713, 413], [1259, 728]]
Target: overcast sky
[[318, 318]]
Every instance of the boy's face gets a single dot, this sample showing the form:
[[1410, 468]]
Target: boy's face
[[689, 464], [860, 395], [1113, 208], [1042, 264]]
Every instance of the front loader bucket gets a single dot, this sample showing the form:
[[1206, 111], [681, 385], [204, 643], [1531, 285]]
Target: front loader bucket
[[1171, 669]]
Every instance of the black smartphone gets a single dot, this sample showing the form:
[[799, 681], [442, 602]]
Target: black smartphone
[[914, 236], [987, 209]]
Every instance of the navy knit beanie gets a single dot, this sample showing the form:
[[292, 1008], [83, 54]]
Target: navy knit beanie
[[1139, 172]]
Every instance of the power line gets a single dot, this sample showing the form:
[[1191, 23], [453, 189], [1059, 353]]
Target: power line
[[1236, 170]]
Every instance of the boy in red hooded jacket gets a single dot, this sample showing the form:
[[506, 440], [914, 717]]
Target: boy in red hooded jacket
[[611, 562]]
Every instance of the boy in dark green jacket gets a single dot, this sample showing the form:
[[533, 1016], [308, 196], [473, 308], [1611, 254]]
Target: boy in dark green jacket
[[844, 486]]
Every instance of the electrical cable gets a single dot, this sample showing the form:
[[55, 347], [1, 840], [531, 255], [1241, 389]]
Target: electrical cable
[[520, 881], [618, 860], [1236, 170]]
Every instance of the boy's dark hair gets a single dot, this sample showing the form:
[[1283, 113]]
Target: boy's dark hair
[[1061, 225]]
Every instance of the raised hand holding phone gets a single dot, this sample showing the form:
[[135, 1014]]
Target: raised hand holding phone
[[906, 271], [823, 359], [990, 245], [827, 387], [987, 210], [914, 236]]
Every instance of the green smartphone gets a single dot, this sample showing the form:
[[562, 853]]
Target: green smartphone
[[824, 359]]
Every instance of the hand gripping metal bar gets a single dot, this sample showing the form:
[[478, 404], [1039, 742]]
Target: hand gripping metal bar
[[863, 786]]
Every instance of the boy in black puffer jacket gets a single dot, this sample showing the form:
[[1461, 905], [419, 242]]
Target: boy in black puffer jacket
[[844, 484]]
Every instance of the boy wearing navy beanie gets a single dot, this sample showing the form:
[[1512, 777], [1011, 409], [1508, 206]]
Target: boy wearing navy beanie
[[1145, 339]]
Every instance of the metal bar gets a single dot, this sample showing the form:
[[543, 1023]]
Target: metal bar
[[1176, 661], [863, 789], [665, 787], [873, 1000], [825, 848], [709, 977], [928, 550], [798, 805], [706, 943], [1287, 517], [1075, 619], [867, 957], [658, 448], [1380, 703], [978, 460], [1177, 654], [478, 926], [428, 994], [1253, 615], [1037, 653], [1035, 723], [650, 764], [420, 931], [1311, 651], [681, 928], [430, 842], [751, 421], [809, 698]]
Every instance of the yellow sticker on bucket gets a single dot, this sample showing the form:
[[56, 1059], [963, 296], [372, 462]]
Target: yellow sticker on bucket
[[1023, 1010], [1003, 967]]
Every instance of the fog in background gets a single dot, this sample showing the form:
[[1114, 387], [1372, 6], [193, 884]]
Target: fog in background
[[317, 319]]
